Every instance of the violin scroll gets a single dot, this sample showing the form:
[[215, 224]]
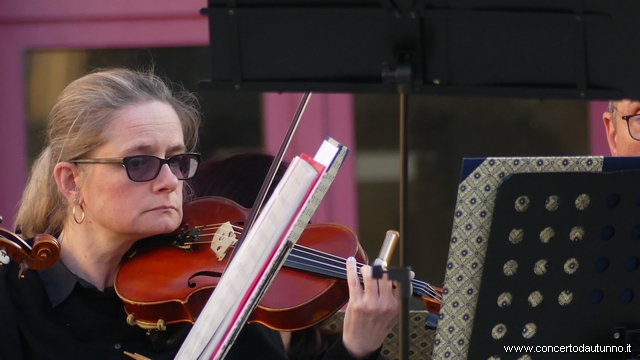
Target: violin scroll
[[44, 252], [432, 300]]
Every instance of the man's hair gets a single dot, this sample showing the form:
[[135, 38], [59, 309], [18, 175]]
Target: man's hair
[[612, 109]]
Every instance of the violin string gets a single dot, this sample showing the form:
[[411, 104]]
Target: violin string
[[292, 262], [237, 228], [339, 271], [419, 287], [328, 262], [423, 288], [335, 266], [213, 227]]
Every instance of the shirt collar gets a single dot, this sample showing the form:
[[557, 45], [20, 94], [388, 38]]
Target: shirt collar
[[59, 282]]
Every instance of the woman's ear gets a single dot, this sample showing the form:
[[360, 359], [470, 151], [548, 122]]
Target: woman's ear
[[67, 178]]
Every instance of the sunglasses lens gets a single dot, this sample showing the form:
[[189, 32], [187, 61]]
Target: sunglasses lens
[[184, 166], [143, 168], [147, 167]]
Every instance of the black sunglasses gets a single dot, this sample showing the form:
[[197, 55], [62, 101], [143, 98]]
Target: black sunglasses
[[142, 168]]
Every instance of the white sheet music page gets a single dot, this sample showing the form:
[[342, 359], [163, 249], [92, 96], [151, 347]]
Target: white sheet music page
[[243, 272], [326, 153]]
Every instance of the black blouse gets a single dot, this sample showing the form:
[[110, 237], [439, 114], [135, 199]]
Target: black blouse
[[53, 314]]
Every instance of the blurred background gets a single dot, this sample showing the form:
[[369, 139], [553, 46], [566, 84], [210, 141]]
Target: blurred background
[[48, 45], [442, 131]]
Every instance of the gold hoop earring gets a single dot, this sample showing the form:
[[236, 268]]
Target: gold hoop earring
[[73, 211]]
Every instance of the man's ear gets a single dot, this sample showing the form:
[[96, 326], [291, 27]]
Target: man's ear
[[67, 178], [610, 129]]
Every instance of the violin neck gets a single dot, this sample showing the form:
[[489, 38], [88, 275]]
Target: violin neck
[[321, 263]]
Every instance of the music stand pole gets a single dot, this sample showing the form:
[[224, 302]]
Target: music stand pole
[[402, 76], [403, 320]]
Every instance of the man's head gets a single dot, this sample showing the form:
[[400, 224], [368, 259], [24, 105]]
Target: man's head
[[622, 130]]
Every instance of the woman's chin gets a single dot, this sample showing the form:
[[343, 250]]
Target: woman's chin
[[162, 225]]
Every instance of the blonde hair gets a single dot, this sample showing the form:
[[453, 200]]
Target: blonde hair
[[78, 124]]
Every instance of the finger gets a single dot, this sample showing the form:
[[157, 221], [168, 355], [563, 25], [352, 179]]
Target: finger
[[395, 284], [412, 276], [385, 285], [370, 284], [355, 289]]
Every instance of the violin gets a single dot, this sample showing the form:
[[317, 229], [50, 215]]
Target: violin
[[43, 253], [169, 280]]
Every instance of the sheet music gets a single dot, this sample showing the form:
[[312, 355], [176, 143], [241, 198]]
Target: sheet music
[[326, 153], [242, 273], [330, 155]]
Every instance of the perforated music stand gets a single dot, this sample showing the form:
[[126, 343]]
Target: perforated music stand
[[546, 254], [527, 49]]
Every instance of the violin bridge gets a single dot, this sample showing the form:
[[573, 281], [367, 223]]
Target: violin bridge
[[223, 239]]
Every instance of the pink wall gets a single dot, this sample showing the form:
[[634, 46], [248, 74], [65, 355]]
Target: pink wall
[[82, 24], [326, 114], [598, 139], [31, 24]]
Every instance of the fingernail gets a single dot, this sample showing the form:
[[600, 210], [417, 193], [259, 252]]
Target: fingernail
[[351, 259]]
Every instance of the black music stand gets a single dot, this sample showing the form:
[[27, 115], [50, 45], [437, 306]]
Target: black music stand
[[562, 268], [569, 49], [544, 252]]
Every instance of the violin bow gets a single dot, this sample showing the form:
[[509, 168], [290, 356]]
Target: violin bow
[[262, 194]]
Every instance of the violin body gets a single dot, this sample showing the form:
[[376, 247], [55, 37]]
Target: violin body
[[162, 284], [297, 299]]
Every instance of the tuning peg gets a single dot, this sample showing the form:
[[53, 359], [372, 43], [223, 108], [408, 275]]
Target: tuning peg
[[23, 268], [18, 229], [1, 219]]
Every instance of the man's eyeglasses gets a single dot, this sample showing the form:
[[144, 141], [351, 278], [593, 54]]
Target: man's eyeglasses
[[633, 124], [142, 168]]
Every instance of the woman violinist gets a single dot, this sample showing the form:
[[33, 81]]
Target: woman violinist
[[100, 185]]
